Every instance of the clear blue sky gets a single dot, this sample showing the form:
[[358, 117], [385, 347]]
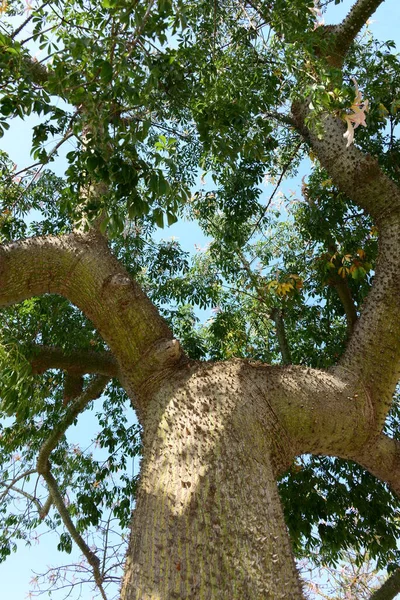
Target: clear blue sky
[[16, 573]]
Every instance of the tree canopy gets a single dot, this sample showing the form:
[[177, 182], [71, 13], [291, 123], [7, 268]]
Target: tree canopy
[[180, 109]]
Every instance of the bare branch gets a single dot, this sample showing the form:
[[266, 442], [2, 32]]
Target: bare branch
[[92, 559], [93, 391], [22, 492], [14, 481]]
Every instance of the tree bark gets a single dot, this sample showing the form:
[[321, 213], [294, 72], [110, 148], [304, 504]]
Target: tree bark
[[208, 522]]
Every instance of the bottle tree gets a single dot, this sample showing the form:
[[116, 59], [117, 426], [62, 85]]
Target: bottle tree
[[271, 430]]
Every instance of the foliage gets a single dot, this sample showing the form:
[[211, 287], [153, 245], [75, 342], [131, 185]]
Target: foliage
[[132, 87]]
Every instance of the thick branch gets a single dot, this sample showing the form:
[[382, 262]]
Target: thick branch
[[80, 362], [334, 41], [319, 412], [81, 268], [390, 589], [382, 458], [373, 352], [73, 387], [351, 26]]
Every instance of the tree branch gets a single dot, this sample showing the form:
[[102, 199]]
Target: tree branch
[[334, 41], [373, 352], [81, 268], [389, 589], [352, 24], [277, 317], [93, 391], [14, 481], [343, 291], [275, 314], [78, 363], [382, 458], [73, 387]]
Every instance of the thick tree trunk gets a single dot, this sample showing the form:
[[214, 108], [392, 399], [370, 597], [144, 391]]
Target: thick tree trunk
[[208, 522]]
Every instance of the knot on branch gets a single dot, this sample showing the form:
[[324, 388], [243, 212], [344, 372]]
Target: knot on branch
[[164, 352]]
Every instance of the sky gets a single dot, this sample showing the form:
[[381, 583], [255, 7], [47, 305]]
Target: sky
[[17, 572]]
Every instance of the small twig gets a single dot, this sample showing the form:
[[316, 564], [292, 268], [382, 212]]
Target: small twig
[[26, 495], [14, 481], [282, 175]]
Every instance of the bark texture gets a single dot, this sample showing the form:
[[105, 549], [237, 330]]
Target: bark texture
[[208, 522]]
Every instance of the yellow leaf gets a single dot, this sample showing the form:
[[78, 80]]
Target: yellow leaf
[[343, 271], [395, 106], [361, 253], [326, 183], [383, 111]]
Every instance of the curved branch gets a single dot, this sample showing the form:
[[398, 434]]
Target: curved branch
[[93, 391], [81, 268], [28, 496], [319, 412], [80, 362], [373, 352], [381, 457]]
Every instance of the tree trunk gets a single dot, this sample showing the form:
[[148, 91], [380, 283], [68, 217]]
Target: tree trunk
[[208, 523]]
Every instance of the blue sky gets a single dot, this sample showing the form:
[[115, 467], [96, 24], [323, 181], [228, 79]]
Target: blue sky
[[16, 573]]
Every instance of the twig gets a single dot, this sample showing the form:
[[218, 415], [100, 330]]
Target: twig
[[282, 175], [14, 481]]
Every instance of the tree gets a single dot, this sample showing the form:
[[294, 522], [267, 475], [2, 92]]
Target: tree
[[293, 377]]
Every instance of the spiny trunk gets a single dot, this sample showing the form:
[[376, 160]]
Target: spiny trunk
[[208, 522]]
